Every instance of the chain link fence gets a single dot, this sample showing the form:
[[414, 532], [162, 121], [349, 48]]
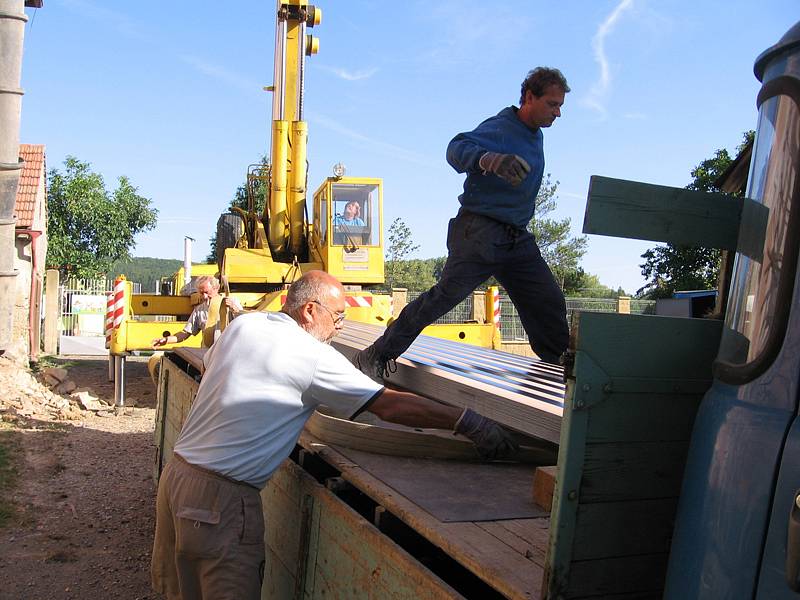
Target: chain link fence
[[510, 325]]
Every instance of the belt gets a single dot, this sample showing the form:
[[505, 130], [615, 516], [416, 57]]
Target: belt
[[214, 474]]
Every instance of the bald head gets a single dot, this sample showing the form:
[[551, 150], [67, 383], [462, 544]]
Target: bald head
[[314, 285], [316, 302]]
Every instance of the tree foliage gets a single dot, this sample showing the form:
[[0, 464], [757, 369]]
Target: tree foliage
[[88, 227], [671, 268], [398, 272], [560, 251], [580, 284]]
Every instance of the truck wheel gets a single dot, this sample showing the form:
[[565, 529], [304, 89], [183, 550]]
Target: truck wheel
[[230, 227]]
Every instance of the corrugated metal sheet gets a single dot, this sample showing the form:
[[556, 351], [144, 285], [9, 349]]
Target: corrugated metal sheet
[[31, 177]]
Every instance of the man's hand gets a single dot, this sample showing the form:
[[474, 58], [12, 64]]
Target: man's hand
[[510, 167], [491, 441], [162, 341], [234, 305]]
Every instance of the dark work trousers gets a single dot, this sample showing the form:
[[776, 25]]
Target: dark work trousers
[[480, 247]]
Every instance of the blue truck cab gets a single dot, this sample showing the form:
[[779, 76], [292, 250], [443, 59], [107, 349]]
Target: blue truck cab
[[737, 529]]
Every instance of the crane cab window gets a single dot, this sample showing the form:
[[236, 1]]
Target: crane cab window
[[355, 215]]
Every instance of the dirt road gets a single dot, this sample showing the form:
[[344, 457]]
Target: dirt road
[[84, 496]]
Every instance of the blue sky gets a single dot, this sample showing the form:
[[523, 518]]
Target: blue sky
[[170, 94]]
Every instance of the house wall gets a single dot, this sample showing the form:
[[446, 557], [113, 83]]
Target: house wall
[[20, 335]]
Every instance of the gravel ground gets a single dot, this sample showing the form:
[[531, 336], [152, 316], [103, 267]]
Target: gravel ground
[[84, 496]]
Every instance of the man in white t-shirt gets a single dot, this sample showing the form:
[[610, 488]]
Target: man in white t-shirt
[[263, 378]]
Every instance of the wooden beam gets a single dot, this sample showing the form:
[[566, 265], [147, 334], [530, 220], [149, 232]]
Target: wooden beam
[[544, 484], [642, 211]]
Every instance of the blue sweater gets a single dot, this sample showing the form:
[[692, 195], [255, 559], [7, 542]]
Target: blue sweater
[[488, 194]]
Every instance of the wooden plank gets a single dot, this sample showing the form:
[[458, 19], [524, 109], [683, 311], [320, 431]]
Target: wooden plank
[[632, 471], [544, 483], [643, 211], [352, 559], [642, 418], [381, 437], [194, 356], [630, 574], [527, 536], [281, 501], [614, 529], [649, 347], [490, 558]]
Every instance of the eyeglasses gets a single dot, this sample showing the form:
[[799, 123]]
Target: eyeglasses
[[337, 317]]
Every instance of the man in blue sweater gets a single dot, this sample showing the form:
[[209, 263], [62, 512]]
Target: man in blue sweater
[[503, 158]]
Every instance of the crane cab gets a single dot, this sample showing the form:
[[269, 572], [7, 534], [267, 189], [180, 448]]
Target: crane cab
[[347, 229]]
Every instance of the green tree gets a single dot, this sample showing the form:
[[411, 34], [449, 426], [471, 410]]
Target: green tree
[[561, 252], [670, 268], [88, 227], [580, 284], [401, 245]]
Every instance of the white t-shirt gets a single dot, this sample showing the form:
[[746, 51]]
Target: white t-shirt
[[264, 376], [198, 319]]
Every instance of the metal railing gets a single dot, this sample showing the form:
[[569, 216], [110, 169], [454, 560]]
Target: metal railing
[[82, 306], [510, 325]]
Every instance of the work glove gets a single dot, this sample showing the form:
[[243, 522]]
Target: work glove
[[491, 441], [509, 167]]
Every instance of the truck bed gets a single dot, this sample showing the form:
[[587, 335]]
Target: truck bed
[[506, 554], [395, 536]]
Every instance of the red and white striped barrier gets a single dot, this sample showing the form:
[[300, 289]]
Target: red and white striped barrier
[[115, 308], [109, 318], [496, 307]]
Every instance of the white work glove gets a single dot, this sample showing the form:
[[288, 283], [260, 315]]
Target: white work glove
[[509, 167], [491, 441]]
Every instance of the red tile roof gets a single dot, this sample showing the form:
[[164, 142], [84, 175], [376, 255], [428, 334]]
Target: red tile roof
[[25, 208]]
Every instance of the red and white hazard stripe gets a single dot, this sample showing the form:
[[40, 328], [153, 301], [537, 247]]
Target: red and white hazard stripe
[[363, 301], [496, 307], [119, 301], [358, 301], [109, 318]]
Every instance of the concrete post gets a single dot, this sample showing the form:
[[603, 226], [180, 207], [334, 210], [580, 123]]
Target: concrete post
[[51, 311], [479, 307], [12, 32], [399, 300]]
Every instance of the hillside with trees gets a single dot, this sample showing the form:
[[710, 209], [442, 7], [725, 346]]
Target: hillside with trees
[[145, 270]]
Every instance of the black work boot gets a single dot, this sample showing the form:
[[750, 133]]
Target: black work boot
[[370, 362]]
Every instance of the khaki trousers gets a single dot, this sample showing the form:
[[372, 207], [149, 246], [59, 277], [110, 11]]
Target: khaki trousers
[[209, 539]]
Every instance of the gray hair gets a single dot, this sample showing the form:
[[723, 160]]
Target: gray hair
[[207, 279], [305, 290]]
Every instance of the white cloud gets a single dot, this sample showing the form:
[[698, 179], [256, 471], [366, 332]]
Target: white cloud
[[600, 90], [373, 144], [348, 75], [218, 72]]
